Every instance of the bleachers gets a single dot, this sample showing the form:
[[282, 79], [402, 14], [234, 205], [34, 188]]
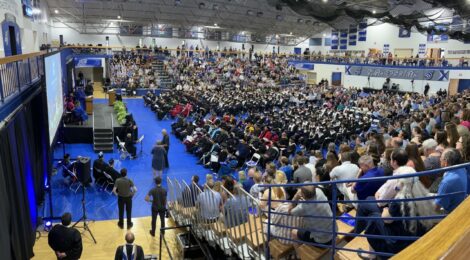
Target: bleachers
[[247, 237]]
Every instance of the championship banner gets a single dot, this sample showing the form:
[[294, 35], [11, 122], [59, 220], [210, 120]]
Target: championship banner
[[398, 73]]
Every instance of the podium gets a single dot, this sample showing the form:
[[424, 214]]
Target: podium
[[111, 97], [89, 105]]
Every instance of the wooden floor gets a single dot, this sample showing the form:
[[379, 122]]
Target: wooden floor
[[109, 236], [98, 90]]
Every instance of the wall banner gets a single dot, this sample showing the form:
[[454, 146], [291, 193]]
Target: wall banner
[[398, 73]]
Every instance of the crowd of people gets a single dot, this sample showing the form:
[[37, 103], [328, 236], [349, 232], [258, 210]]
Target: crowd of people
[[235, 114], [364, 135]]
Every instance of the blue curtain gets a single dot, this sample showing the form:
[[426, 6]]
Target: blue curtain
[[24, 163]]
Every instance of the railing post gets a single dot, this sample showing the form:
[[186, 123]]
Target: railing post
[[334, 207], [269, 223], [29, 69], [1, 89], [18, 76]]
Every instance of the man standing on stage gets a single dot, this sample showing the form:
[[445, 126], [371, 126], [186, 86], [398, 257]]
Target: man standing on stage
[[166, 144], [64, 240], [124, 188], [158, 195]]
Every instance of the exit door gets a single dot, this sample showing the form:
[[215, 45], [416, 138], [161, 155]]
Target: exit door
[[11, 32], [336, 78]]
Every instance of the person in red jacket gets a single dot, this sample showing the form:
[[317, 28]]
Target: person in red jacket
[[266, 133]]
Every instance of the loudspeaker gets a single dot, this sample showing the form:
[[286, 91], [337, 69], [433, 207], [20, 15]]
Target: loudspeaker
[[83, 169], [107, 38], [61, 40]]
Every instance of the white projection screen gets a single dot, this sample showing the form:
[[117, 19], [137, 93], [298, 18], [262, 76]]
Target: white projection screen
[[55, 103]]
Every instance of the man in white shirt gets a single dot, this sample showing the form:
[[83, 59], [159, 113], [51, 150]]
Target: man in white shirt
[[345, 171]]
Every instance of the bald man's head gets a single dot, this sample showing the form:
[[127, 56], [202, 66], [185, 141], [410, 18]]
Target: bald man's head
[[130, 237]]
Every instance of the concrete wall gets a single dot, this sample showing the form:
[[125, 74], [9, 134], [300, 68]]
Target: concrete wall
[[33, 33]]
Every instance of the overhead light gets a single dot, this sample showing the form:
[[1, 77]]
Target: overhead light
[[160, 26], [243, 33], [249, 12], [215, 25], [111, 24], [373, 11], [36, 11], [119, 17], [290, 33], [325, 1], [324, 35], [56, 11]]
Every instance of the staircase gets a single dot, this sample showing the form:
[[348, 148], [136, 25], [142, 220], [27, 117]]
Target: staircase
[[165, 80], [103, 140]]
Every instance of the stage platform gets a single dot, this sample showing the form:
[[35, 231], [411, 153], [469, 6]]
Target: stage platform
[[103, 117]]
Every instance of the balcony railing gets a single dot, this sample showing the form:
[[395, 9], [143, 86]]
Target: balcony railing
[[19, 72]]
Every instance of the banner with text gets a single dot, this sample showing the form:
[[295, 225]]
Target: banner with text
[[398, 73]]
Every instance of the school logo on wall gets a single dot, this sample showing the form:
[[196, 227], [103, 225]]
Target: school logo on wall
[[428, 75]]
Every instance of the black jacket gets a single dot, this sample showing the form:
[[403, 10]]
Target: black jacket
[[66, 240], [139, 255]]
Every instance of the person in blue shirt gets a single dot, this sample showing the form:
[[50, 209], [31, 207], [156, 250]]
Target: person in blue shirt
[[452, 181], [286, 168], [249, 182], [369, 170]]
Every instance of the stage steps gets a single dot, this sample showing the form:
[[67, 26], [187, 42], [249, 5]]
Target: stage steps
[[103, 140]]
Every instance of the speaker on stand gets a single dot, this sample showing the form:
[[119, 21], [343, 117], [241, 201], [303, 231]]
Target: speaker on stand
[[83, 168]]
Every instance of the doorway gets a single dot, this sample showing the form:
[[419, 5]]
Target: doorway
[[12, 34], [336, 78]]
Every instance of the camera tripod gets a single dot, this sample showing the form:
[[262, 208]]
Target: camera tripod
[[84, 217]]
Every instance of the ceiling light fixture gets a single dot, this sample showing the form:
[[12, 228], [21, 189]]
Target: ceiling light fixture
[[119, 17], [373, 11], [56, 11], [325, 1], [324, 35], [215, 25]]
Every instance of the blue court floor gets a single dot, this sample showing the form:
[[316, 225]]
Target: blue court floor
[[103, 206]]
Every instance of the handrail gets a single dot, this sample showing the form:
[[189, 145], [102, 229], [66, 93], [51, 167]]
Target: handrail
[[438, 242], [19, 57]]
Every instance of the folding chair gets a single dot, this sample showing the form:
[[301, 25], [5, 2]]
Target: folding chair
[[123, 153], [74, 178], [109, 182], [254, 160]]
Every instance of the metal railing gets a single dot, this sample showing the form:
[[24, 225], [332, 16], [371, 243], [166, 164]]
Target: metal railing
[[234, 226], [18, 73]]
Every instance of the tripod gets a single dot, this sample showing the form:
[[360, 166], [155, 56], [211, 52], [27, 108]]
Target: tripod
[[84, 217]]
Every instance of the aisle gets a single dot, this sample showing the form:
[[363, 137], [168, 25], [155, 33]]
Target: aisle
[[102, 206]]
